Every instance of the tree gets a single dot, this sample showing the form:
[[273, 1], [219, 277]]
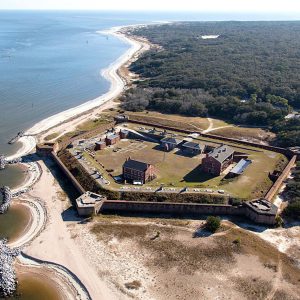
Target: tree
[[213, 223]]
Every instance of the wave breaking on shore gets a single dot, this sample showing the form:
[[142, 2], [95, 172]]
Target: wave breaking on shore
[[110, 73], [29, 140]]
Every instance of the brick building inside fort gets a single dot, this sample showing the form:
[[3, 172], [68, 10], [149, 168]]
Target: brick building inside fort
[[217, 160], [134, 170]]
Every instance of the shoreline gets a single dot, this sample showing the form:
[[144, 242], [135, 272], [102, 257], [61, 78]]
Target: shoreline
[[78, 114], [41, 209], [69, 119], [117, 86]]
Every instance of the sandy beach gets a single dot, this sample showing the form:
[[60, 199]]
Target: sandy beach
[[69, 119], [111, 74], [89, 265], [47, 243]]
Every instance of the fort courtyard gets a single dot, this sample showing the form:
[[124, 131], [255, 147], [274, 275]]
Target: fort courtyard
[[177, 167]]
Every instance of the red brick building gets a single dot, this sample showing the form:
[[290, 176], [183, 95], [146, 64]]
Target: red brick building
[[112, 139], [134, 170], [100, 145], [124, 134], [217, 160]]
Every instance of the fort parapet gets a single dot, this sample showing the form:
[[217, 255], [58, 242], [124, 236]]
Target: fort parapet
[[260, 211]]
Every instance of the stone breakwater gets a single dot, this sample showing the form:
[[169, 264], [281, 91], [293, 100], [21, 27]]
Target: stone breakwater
[[34, 171], [8, 281], [4, 161], [7, 196]]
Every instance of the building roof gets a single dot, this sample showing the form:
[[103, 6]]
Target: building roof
[[262, 206], [171, 140], [136, 165], [88, 199], [124, 131], [120, 117], [100, 143], [221, 153], [241, 166], [192, 145], [112, 136]]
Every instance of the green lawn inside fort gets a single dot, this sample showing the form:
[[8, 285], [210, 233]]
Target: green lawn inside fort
[[174, 169]]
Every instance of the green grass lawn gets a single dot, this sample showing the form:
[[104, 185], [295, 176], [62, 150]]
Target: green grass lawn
[[175, 169]]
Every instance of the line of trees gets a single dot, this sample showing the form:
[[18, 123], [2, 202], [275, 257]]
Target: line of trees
[[197, 102]]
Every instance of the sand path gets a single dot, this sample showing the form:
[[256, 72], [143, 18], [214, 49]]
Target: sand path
[[55, 243], [212, 128]]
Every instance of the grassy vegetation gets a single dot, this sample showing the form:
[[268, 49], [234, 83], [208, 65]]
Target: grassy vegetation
[[245, 133], [93, 124], [218, 123], [177, 121], [176, 198], [176, 169], [51, 136], [89, 128], [177, 248]]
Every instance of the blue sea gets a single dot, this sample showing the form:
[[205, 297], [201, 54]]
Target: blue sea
[[52, 60]]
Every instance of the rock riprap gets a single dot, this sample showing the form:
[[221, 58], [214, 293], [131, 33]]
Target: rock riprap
[[6, 195], [8, 281]]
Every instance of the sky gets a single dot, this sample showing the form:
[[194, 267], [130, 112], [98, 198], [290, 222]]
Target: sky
[[269, 6]]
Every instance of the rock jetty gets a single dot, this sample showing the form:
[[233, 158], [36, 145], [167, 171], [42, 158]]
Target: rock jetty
[[2, 162], [7, 195], [16, 138], [8, 281]]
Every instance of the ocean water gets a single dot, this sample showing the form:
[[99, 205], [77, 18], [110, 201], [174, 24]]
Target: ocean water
[[52, 61]]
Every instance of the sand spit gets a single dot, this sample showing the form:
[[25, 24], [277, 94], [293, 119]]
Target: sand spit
[[33, 175], [70, 286], [28, 144], [37, 221]]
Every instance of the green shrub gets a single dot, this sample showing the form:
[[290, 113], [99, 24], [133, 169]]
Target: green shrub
[[293, 209], [213, 223], [279, 221], [237, 241]]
